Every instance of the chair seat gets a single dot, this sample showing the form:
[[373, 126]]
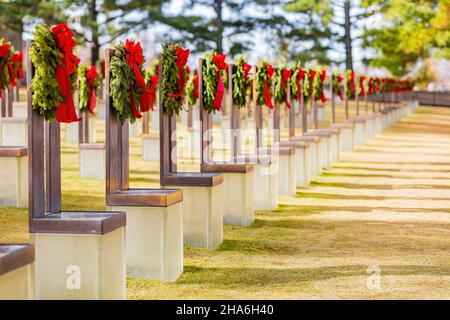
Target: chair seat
[[145, 197]]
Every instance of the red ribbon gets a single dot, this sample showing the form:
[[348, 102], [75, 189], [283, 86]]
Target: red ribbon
[[67, 65], [285, 75], [377, 85], [269, 72], [196, 93], [134, 58], [323, 76], [182, 58], [219, 61], [352, 83], [300, 77], [361, 85], [339, 92], [17, 59], [91, 75]]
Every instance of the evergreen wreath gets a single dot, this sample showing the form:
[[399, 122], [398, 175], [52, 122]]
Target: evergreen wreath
[[282, 82], [45, 56], [6, 51], [210, 80], [349, 84], [294, 76], [171, 102], [241, 82], [307, 87], [122, 79], [83, 89], [191, 91], [262, 76], [360, 80], [317, 86], [337, 89]]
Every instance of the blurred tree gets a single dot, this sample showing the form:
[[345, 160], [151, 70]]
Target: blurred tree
[[103, 21], [412, 31], [328, 23], [15, 15], [205, 24]]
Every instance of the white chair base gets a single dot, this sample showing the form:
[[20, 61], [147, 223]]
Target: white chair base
[[238, 202], [287, 176]]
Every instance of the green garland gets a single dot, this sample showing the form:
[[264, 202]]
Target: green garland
[[45, 56], [169, 81], [210, 81], [83, 99], [5, 78], [260, 78], [336, 85], [122, 78], [241, 86]]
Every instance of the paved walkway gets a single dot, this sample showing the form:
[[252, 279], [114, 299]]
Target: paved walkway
[[376, 225]]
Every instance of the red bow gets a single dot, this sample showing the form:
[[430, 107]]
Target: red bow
[[219, 61], [91, 75], [269, 72], [285, 75], [300, 77], [370, 91], [67, 65], [17, 59], [4, 52], [323, 76], [182, 58], [361, 85], [246, 67], [135, 58]]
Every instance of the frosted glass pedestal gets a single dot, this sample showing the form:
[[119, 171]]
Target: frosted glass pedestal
[[20, 109], [238, 184], [150, 147], [302, 161], [202, 209], [16, 272], [14, 131], [154, 241], [92, 160], [135, 129], [14, 176], [347, 137], [80, 266]]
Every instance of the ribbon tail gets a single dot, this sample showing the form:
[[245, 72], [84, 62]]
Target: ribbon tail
[[92, 102], [145, 100], [66, 110], [219, 94], [20, 71], [11, 72], [134, 109], [267, 96]]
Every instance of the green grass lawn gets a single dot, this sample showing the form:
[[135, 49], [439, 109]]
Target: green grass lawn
[[387, 205]]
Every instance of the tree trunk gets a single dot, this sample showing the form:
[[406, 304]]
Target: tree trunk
[[348, 37], [95, 49], [219, 25]]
